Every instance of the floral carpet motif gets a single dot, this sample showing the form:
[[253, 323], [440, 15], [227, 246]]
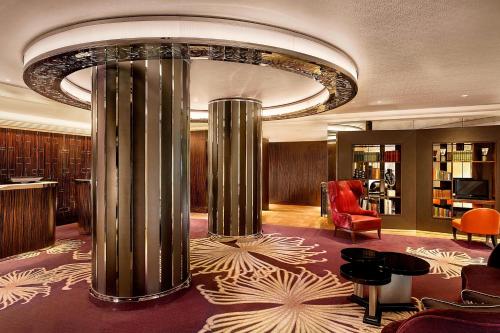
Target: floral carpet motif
[[24, 286], [447, 263], [209, 256], [292, 297], [60, 246]]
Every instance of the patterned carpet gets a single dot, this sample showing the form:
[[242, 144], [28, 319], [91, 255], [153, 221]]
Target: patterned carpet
[[278, 283]]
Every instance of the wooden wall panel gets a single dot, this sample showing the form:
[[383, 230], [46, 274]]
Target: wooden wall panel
[[296, 170], [332, 161], [265, 174], [199, 169], [57, 157]]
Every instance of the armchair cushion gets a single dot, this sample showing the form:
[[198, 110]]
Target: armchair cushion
[[481, 278], [364, 222], [438, 321]]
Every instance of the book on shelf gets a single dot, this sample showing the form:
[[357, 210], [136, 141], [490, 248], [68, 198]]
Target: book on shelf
[[361, 156], [392, 156], [441, 194], [441, 212], [462, 156], [441, 175]]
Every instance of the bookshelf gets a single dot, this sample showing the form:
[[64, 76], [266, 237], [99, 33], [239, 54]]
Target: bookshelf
[[452, 162], [379, 167]]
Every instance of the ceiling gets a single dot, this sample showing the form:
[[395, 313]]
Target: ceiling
[[415, 59]]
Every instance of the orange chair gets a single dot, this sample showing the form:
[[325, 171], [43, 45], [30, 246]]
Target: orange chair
[[480, 221]]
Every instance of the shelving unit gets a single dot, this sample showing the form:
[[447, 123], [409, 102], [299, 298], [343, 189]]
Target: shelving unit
[[379, 167], [464, 160]]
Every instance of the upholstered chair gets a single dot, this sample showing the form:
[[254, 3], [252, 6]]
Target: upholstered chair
[[478, 221], [345, 210]]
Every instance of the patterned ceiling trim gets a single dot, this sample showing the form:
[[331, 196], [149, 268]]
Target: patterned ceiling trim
[[44, 74]]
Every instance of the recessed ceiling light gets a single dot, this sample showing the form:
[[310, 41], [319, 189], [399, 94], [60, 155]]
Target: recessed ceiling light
[[464, 95], [7, 80], [379, 102]]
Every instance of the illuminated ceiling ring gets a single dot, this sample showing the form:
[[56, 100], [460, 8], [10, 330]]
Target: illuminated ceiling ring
[[50, 58]]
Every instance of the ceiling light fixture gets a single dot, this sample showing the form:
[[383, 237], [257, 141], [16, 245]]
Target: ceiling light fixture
[[464, 95]]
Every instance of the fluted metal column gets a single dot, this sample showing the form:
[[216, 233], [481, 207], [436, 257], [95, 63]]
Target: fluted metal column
[[140, 177], [234, 167]]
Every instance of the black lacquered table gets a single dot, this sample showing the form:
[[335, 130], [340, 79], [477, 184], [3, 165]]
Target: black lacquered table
[[403, 267], [371, 275], [388, 276]]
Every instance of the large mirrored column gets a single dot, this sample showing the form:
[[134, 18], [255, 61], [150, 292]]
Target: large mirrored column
[[140, 192], [234, 167]]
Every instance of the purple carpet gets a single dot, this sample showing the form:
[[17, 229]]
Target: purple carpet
[[288, 281]]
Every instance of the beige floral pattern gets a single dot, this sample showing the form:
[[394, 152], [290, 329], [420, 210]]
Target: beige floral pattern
[[210, 256], [447, 263], [78, 255], [292, 297], [65, 246], [72, 274], [23, 286]]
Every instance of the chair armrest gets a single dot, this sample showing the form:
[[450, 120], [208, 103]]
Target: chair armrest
[[342, 220], [437, 304], [476, 297]]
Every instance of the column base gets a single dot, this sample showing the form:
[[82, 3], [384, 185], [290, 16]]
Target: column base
[[226, 239], [114, 299]]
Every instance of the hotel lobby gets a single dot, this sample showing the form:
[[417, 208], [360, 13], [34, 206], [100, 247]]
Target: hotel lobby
[[250, 166]]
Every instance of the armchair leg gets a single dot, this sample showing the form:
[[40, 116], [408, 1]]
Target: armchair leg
[[494, 240], [353, 237], [469, 238], [454, 233], [379, 231], [334, 231]]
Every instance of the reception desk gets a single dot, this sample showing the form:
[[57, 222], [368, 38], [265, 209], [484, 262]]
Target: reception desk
[[27, 217]]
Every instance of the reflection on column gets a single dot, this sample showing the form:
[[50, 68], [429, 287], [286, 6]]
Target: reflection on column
[[140, 180], [234, 167]]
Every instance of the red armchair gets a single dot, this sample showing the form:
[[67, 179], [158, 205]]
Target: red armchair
[[345, 210]]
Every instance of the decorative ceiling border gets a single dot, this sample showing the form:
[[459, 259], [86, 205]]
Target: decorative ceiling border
[[45, 70]]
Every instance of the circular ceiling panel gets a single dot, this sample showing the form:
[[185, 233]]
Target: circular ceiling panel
[[56, 55]]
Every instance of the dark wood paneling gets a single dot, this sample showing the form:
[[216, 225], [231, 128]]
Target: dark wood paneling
[[296, 170], [83, 206], [199, 169], [332, 161], [57, 157], [26, 220], [265, 174]]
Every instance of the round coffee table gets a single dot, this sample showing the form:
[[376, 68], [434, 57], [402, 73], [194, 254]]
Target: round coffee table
[[371, 275], [403, 267], [361, 255], [391, 272]]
